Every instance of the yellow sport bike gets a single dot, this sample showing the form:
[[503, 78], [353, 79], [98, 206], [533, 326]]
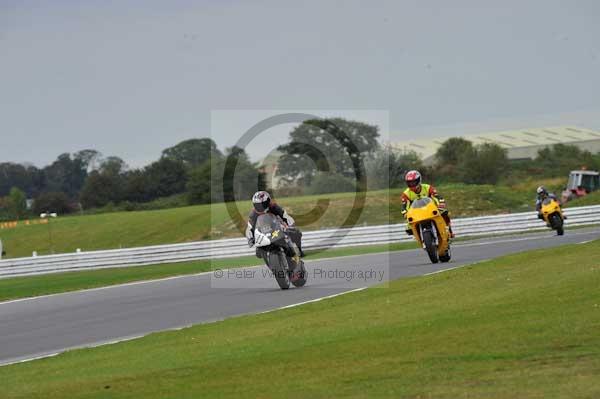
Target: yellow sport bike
[[429, 229], [552, 215]]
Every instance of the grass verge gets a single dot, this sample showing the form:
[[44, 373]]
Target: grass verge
[[522, 326], [22, 287], [590, 199]]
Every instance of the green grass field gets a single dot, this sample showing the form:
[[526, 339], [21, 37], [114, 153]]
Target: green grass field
[[523, 326], [590, 199], [133, 229]]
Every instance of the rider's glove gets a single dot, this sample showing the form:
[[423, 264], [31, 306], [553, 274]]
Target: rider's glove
[[250, 242], [404, 212]]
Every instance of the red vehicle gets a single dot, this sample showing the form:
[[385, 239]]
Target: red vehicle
[[582, 182]]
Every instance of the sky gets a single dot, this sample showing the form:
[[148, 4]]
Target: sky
[[130, 78]]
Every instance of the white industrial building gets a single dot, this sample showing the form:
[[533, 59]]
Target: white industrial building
[[519, 144]]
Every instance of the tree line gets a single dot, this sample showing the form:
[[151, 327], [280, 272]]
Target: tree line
[[322, 156], [333, 155], [186, 174]]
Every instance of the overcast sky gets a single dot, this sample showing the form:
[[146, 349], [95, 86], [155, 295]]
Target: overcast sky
[[130, 78]]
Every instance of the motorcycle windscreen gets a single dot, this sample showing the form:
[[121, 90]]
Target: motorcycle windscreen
[[269, 224], [421, 203], [547, 201]]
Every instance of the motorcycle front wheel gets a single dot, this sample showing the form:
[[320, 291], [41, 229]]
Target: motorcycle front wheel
[[446, 257], [430, 245], [278, 262], [557, 224], [300, 281]]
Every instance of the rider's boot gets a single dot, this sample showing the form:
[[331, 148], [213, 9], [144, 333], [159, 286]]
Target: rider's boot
[[297, 264], [302, 254], [292, 253]]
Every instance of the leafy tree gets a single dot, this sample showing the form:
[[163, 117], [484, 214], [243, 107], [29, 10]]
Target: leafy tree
[[453, 151], [37, 181], [450, 155], [17, 203], [100, 189], [560, 159], [104, 185], [4, 212], [66, 175], [387, 167], [113, 166], [165, 177], [25, 177], [137, 186], [229, 178], [327, 145], [193, 152], [235, 177], [199, 184], [485, 164], [89, 158], [325, 183], [52, 202]]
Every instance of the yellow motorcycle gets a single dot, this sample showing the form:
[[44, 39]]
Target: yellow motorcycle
[[430, 229], [552, 215]]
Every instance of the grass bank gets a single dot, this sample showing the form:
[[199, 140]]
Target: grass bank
[[522, 326], [590, 199]]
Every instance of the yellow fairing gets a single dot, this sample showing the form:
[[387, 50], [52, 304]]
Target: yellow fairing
[[549, 208], [430, 212]]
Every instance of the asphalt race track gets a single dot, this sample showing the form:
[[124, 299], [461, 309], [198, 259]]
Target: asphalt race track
[[43, 326]]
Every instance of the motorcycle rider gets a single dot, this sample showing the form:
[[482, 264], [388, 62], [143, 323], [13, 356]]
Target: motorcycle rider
[[542, 194], [417, 190], [262, 203]]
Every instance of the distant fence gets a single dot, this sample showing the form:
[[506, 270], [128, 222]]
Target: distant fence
[[338, 238]]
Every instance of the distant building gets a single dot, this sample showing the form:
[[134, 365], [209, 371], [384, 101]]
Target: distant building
[[519, 144]]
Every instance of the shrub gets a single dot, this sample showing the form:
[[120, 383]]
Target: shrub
[[325, 183]]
